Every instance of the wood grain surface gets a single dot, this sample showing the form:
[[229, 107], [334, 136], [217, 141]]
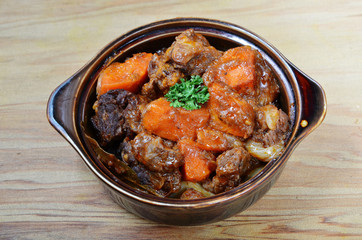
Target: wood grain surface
[[46, 192]]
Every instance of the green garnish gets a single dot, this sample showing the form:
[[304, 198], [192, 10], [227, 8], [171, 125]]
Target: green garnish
[[188, 94]]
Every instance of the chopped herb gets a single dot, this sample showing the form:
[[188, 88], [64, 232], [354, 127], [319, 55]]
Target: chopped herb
[[189, 94]]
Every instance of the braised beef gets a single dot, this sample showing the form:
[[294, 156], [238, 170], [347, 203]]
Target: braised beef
[[270, 137], [109, 119], [118, 114], [162, 75], [232, 165], [165, 182], [152, 152], [192, 53], [133, 113], [191, 194], [268, 86], [172, 181]]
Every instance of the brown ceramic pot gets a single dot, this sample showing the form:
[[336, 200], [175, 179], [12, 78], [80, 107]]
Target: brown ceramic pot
[[301, 97]]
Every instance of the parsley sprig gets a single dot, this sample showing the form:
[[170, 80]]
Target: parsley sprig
[[189, 94]]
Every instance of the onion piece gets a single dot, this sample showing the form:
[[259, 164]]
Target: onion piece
[[187, 184], [265, 154]]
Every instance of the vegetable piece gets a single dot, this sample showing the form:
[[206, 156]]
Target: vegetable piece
[[187, 185], [271, 115], [229, 112], [236, 68], [172, 123], [198, 163], [272, 125], [254, 172], [265, 154], [197, 187], [188, 94], [130, 75], [213, 140]]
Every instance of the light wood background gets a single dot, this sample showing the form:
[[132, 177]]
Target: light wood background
[[46, 192]]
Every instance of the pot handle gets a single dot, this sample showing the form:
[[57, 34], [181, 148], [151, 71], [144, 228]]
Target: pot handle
[[313, 103], [61, 108]]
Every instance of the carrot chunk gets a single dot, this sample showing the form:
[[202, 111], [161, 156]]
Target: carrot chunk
[[130, 75], [172, 123], [229, 112], [198, 163], [236, 68], [213, 140]]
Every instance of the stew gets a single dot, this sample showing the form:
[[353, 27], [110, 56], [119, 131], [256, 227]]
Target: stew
[[189, 121]]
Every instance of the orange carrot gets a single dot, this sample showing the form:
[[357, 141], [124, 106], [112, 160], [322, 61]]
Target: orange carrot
[[173, 123], [213, 140], [229, 112], [198, 163], [130, 75], [236, 68]]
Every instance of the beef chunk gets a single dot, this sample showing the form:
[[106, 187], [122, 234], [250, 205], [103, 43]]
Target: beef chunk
[[172, 181], [109, 119], [163, 182], [152, 152], [192, 53], [117, 115], [191, 194], [268, 86], [232, 165], [133, 113], [233, 162], [272, 125], [162, 75]]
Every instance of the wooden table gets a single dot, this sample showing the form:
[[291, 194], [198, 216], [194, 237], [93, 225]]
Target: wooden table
[[46, 192]]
